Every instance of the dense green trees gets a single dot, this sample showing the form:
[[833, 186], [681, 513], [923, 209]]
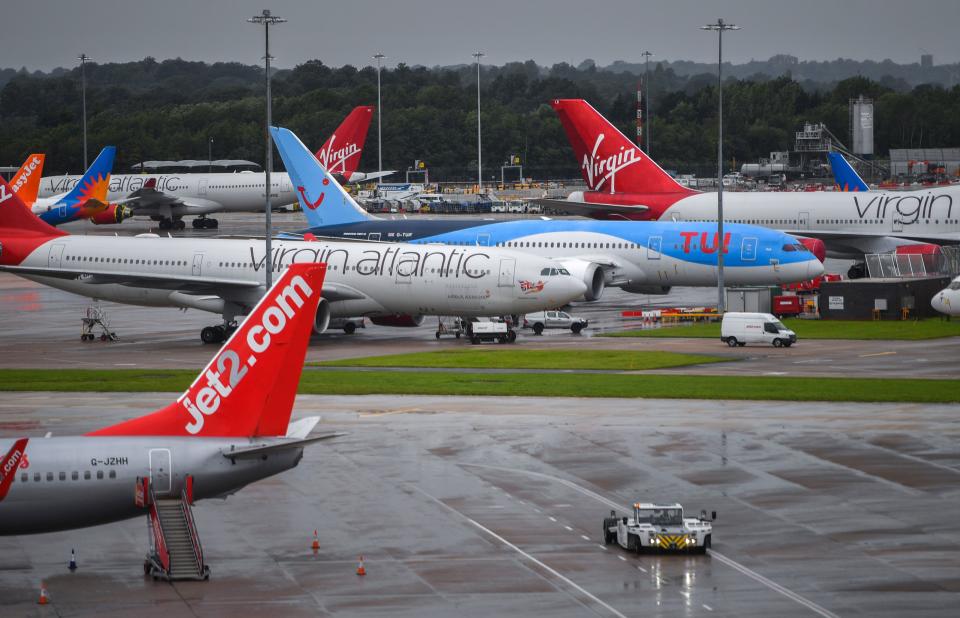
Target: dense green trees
[[169, 109]]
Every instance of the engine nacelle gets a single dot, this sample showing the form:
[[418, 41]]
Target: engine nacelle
[[110, 215], [321, 320], [646, 288], [590, 273], [398, 320], [816, 247]]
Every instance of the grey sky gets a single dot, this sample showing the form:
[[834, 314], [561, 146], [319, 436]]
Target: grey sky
[[42, 34]]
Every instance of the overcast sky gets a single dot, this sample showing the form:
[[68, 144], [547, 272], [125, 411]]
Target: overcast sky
[[42, 34]]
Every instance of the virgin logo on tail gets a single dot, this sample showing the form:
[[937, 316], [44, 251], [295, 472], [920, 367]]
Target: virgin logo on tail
[[600, 170], [333, 158], [10, 464]]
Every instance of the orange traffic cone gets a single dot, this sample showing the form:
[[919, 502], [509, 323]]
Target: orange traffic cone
[[315, 546], [360, 569], [43, 595]]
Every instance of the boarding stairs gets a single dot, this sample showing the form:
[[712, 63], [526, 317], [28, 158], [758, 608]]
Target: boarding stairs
[[175, 550]]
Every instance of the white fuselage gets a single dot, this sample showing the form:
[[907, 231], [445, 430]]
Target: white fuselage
[[947, 300], [226, 192], [362, 278]]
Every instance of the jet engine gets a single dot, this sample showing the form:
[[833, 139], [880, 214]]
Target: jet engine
[[322, 318], [109, 215], [588, 272], [398, 320]]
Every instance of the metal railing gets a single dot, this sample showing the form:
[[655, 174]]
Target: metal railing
[[946, 263], [192, 528]]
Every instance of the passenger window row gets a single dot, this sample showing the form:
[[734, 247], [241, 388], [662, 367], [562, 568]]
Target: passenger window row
[[62, 476], [105, 260]]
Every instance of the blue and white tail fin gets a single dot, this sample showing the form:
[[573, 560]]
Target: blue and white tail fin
[[95, 182], [845, 178], [323, 200]]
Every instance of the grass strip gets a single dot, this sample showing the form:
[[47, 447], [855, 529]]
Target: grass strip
[[494, 358], [777, 388], [906, 330]]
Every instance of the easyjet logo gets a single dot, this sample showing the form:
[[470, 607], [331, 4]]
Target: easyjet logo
[[28, 169], [601, 169], [9, 465], [226, 373], [331, 157]]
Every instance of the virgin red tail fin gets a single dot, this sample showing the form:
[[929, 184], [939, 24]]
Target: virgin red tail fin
[[26, 182], [609, 161], [249, 387], [340, 154], [16, 220]]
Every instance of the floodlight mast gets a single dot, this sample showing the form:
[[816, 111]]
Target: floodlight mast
[[267, 19], [379, 56], [720, 27], [478, 56]]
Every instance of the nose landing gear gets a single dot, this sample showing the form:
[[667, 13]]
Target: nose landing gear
[[172, 224]]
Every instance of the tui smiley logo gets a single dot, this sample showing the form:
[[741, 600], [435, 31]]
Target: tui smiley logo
[[306, 200]]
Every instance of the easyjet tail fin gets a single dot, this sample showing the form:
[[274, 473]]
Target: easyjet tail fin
[[323, 200], [26, 182], [845, 178], [248, 388], [95, 182], [609, 162], [340, 154]]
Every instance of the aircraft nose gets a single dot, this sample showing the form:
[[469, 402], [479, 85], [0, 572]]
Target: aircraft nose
[[937, 302], [814, 268]]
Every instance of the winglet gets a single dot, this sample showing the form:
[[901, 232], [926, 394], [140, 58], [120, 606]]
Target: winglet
[[323, 200], [248, 388], [340, 154], [26, 182]]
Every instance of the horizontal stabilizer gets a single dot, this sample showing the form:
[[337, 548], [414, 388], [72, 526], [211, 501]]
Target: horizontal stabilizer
[[255, 452]]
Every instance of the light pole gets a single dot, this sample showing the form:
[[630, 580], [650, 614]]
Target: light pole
[[83, 58], [379, 56], [478, 56], [646, 95], [267, 20], [720, 27], [210, 155]]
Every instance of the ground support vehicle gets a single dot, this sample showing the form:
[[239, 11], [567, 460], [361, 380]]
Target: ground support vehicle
[[96, 318], [454, 328], [740, 328], [542, 320], [479, 330], [349, 325], [659, 527]]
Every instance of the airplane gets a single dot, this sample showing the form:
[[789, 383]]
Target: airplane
[[167, 198], [230, 428], [87, 199], [26, 182], [394, 284], [625, 184], [343, 159], [947, 300], [845, 178], [639, 257]]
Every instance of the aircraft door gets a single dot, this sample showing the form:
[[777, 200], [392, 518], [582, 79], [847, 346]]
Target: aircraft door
[[197, 264], [202, 189], [803, 220], [63, 211], [653, 247], [748, 250], [55, 259], [508, 268], [483, 240], [160, 470]]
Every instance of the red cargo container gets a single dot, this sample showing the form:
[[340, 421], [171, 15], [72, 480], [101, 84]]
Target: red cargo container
[[786, 305]]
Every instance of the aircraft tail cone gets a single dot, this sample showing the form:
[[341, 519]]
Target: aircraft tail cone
[[73, 561], [315, 546], [44, 599], [360, 569]]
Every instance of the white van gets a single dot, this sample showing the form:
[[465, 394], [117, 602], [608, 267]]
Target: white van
[[743, 328]]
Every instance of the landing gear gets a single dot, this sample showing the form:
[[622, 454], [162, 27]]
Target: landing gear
[[205, 223], [217, 334], [172, 224], [857, 271]]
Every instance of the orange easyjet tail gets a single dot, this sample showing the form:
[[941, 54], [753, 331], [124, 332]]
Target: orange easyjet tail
[[248, 388], [610, 163], [340, 154], [26, 182]]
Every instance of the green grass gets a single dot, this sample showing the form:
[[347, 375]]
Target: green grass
[[821, 329], [530, 359], [528, 384]]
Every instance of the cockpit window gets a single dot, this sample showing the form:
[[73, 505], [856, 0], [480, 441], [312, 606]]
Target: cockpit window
[[545, 272], [796, 247], [553, 272], [564, 271]]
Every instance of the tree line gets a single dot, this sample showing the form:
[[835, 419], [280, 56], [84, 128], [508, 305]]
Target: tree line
[[170, 109]]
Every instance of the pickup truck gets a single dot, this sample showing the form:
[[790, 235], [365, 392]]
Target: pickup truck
[[542, 320]]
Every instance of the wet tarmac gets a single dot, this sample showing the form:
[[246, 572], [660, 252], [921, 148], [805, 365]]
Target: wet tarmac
[[493, 506]]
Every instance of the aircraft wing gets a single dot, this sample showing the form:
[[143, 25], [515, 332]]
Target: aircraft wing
[[148, 198], [368, 176], [604, 261], [827, 235], [586, 209], [281, 444]]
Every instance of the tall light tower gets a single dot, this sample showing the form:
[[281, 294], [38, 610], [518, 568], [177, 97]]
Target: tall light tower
[[83, 58], [478, 56], [720, 27], [646, 95], [379, 56], [268, 20]]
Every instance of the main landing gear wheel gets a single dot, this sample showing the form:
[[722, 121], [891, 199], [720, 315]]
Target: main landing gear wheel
[[217, 334], [511, 336], [538, 328], [205, 223]]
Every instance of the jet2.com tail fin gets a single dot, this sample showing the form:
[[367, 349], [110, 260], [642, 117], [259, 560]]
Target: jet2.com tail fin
[[95, 183], [610, 162], [26, 182], [248, 388], [845, 178], [340, 154], [323, 200], [16, 221]]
